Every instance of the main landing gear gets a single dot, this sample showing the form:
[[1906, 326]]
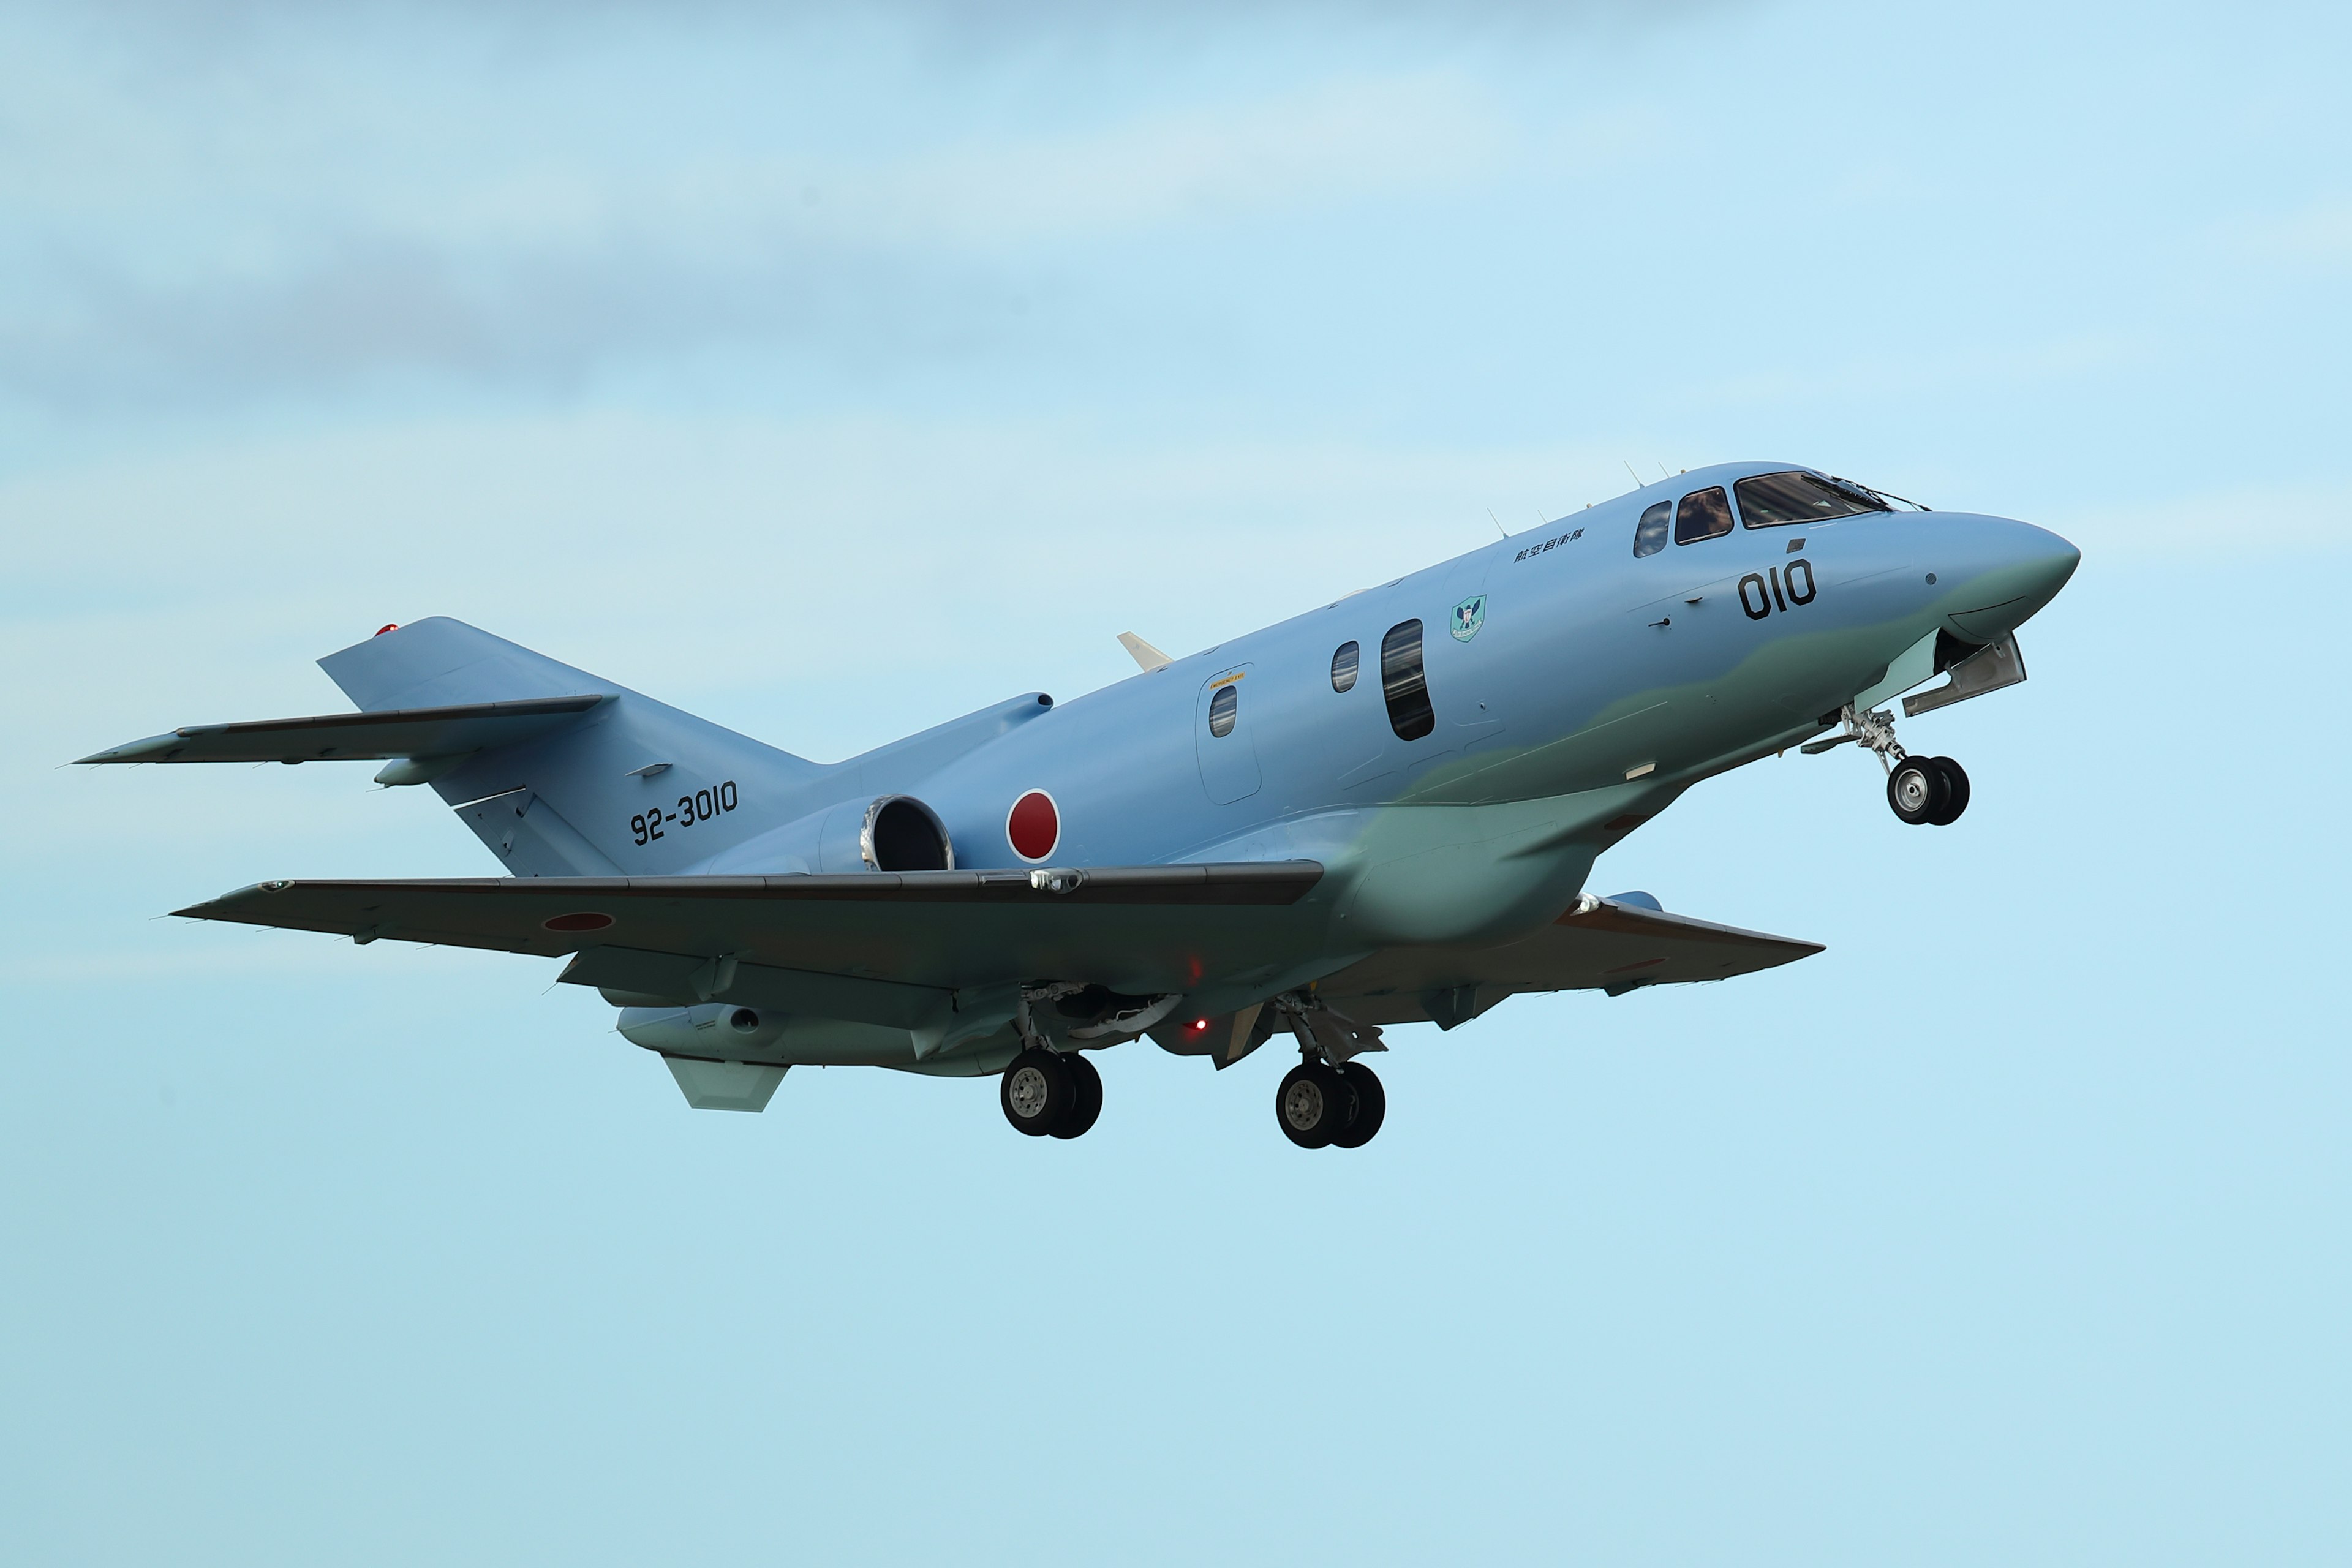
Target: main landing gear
[[1328, 1100], [1321, 1106], [1054, 1094], [1924, 791]]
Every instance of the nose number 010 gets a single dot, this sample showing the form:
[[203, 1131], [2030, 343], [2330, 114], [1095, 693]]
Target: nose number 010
[[1778, 594]]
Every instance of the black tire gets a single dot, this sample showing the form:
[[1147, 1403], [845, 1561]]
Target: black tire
[[1086, 1103], [1313, 1105], [1917, 789], [1036, 1092], [1956, 792], [1371, 1107]]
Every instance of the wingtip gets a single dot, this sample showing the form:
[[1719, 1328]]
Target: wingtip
[[214, 908], [153, 748]]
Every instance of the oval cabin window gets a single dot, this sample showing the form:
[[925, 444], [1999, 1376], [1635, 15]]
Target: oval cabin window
[[1223, 707], [1343, 666], [1404, 684]]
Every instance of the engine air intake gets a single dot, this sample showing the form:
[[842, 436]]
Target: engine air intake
[[902, 834]]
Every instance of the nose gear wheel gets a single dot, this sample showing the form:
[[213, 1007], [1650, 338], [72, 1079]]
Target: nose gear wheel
[[1931, 791]]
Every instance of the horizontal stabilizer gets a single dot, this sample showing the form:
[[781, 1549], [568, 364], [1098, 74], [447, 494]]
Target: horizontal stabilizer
[[1138, 929], [450, 731]]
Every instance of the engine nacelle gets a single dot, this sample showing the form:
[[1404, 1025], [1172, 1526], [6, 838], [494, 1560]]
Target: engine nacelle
[[730, 1032], [899, 833], [873, 833], [714, 1031]]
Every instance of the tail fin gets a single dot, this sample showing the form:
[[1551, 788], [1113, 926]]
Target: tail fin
[[636, 787]]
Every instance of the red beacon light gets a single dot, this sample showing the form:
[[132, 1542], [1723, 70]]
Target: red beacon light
[[393, 628], [1198, 1025]]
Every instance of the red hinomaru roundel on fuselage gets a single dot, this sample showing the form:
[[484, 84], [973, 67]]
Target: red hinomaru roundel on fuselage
[[1034, 825]]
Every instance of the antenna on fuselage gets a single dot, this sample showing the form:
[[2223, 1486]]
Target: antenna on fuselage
[[1629, 470], [1497, 522]]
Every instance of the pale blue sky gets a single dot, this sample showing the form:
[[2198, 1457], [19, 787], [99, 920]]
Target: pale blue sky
[[834, 376]]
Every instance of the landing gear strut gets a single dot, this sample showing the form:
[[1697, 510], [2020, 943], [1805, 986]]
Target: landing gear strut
[[1330, 1101], [1922, 789]]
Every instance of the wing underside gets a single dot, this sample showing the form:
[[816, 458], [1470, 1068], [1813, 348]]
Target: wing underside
[[1599, 945], [1145, 930], [894, 948]]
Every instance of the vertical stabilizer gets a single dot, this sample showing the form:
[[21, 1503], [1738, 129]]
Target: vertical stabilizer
[[637, 788]]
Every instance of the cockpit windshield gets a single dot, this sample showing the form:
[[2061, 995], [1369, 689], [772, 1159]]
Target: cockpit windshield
[[1770, 500]]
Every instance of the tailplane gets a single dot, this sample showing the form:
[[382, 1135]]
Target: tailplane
[[561, 773]]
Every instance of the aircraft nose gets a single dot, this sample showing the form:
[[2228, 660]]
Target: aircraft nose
[[2018, 568]]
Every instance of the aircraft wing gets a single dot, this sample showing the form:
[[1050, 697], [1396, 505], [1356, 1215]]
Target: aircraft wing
[[379, 736], [1602, 944], [881, 947]]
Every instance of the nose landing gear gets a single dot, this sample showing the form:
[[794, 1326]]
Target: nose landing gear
[[1929, 790], [1922, 789]]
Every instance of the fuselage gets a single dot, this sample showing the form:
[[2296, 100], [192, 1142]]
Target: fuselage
[[1414, 778], [1569, 690]]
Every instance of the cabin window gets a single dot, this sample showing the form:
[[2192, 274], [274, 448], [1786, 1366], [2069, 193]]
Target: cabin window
[[1770, 500], [1343, 666], [1223, 707], [1404, 684], [1649, 535], [1704, 514]]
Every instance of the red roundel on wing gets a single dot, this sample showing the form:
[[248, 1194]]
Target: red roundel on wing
[[1034, 825], [584, 921]]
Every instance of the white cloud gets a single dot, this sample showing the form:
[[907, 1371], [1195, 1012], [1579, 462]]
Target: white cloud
[[341, 207], [2316, 235]]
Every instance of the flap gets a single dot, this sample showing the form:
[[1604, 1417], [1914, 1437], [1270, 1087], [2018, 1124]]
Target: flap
[[683, 979], [360, 737]]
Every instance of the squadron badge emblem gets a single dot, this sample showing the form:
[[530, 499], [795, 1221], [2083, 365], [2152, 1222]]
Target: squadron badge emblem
[[1468, 616]]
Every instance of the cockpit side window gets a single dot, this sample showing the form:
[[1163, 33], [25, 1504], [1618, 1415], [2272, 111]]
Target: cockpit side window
[[1771, 500], [1650, 534], [1704, 514]]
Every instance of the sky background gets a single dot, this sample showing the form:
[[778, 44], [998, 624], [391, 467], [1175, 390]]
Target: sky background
[[834, 372]]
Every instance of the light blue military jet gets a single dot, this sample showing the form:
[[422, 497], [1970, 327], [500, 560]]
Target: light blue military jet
[[1382, 811]]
